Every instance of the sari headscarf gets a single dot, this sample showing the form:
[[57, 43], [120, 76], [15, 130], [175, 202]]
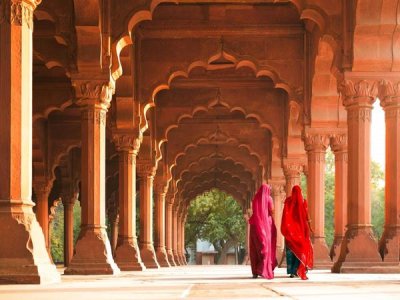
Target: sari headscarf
[[295, 228], [263, 234]]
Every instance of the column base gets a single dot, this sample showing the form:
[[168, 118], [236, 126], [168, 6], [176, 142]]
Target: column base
[[176, 259], [162, 257], [359, 254], [171, 258], [321, 254], [335, 248], [182, 259], [23, 255], [92, 254], [389, 244], [127, 255], [149, 256]]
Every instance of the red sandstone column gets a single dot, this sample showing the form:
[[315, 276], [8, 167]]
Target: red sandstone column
[[179, 236], [359, 250], [160, 191], [183, 238], [316, 145], [42, 192], [127, 254], [146, 172], [114, 234], [389, 244], [339, 147], [169, 230], [69, 202], [93, 253], [175, 212], [278, 195], [25, 259]]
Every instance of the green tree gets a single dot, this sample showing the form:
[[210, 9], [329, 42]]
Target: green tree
[[329, 197], [57, 231], [215, 217], [377, 198], [57, 234]]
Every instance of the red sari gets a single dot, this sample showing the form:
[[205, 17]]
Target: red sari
[[262, 235], [296, 230]]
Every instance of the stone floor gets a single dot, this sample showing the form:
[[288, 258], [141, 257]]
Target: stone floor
[[210, 282]]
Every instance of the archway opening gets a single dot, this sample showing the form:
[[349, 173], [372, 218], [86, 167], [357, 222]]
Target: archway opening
[[215, 229]]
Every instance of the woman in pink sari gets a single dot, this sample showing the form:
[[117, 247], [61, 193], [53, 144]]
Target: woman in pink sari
[[262, 235]]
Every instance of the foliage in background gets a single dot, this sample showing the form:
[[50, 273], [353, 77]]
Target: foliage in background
[[57, 231], [215, 217], [377, 198], [329, 197]]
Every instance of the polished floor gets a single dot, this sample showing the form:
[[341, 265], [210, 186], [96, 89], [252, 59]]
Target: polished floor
[[210, 282]]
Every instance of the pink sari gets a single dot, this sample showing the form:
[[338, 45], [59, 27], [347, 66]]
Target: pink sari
[[262, 234]]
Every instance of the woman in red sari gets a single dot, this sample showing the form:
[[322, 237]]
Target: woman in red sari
[[295, 228], [262, 235]]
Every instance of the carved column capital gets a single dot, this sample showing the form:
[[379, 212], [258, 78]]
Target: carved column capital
[[160, 187], [356, 92], [339, 142], [127, 142], [316, 142], [145, 168], [42, 188], [18, 12], [292, 169], [97, 93], [389, 94], [278, 189]]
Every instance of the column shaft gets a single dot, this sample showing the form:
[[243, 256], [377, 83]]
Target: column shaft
[[339, 147], [389, 244], [127, 254], [175, 235], [316, 148], [161, 252], [169, 233], [68, 230], [146, 218]]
